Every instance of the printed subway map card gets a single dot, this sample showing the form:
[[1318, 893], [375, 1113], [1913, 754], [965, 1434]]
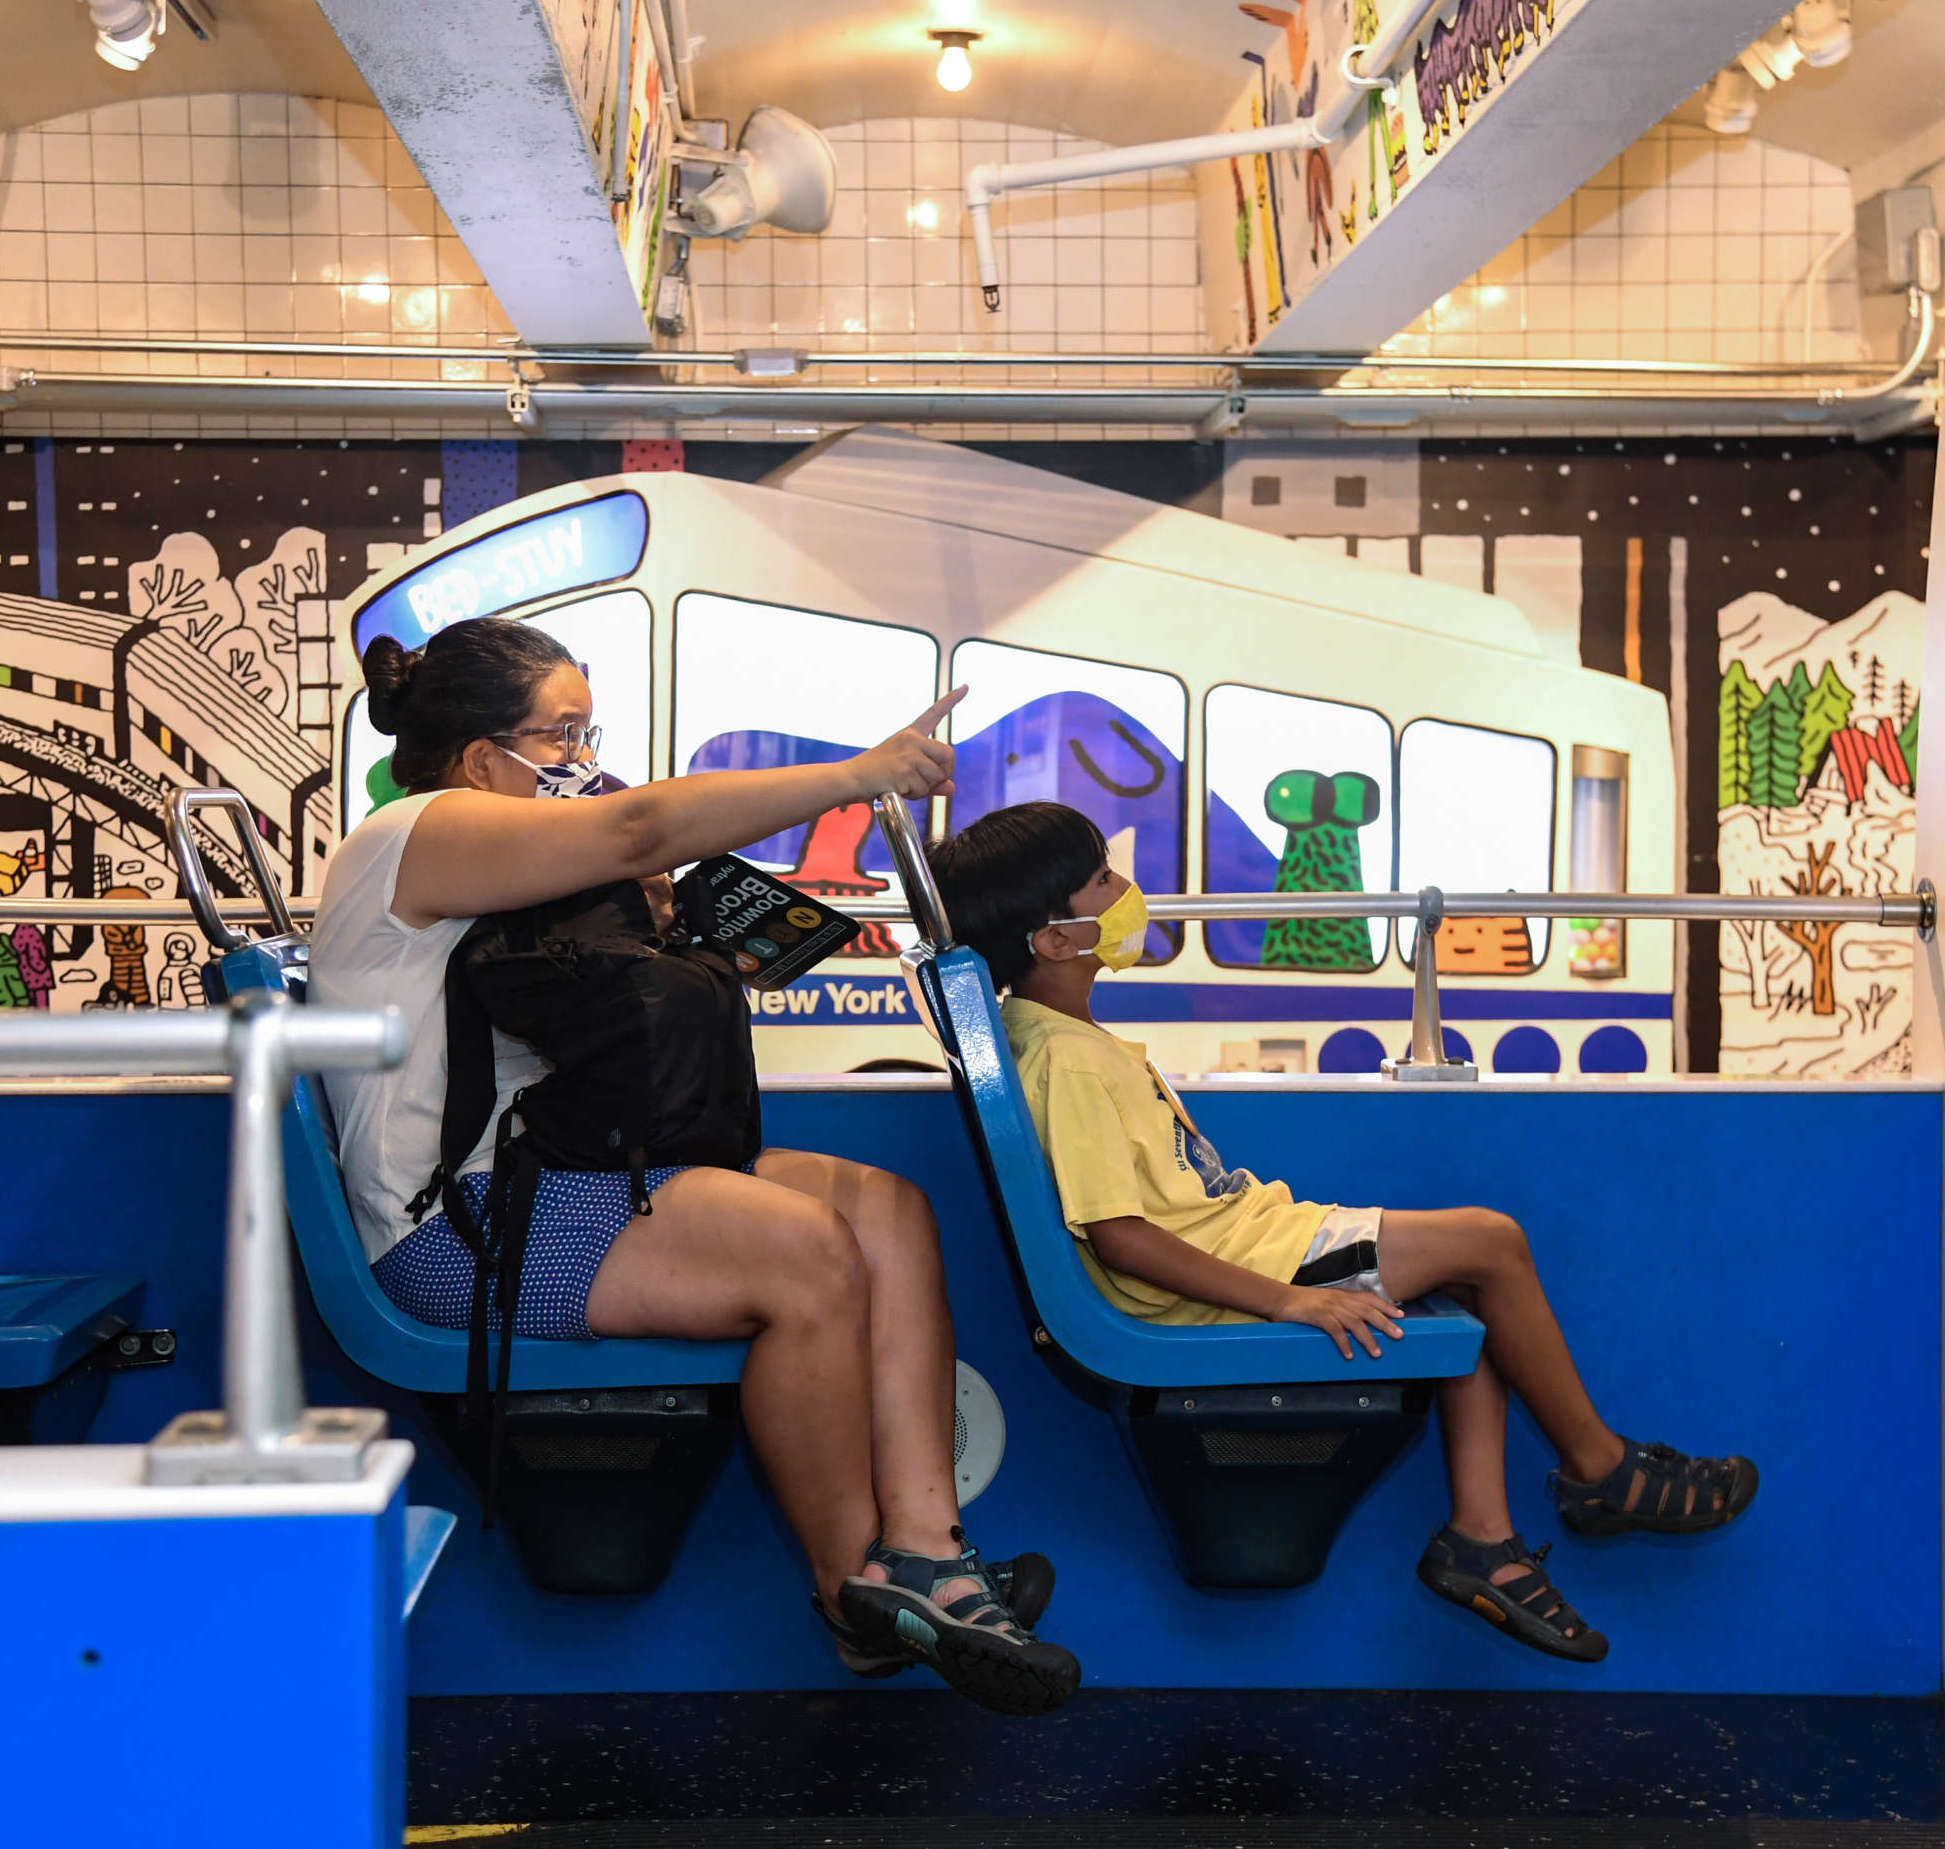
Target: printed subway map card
[[770, 931]]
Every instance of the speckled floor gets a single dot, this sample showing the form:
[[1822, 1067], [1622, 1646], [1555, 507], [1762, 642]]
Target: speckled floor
[[1191, 1767]]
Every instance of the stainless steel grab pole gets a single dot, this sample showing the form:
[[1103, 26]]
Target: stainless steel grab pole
[[1908, 910]]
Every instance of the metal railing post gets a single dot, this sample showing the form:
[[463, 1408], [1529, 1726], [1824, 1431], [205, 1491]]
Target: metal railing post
[[263, 1384], [1426, 1062]]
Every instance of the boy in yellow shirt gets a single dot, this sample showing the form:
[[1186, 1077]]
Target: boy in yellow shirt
[[1171, 1235]]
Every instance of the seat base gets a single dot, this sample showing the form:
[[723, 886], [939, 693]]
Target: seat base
[[599, 1487], [1253, 1483], [61, 1411]]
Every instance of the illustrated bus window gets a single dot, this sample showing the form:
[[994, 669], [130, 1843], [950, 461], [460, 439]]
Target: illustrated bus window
[[609, 635], [1106, 740], [1475, 814], [1597, 859], [760, 685], [1299, 800]]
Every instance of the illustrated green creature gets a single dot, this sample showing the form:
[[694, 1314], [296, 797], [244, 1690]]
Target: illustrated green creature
[[1364, 30], [1322, 815], [13, 985]]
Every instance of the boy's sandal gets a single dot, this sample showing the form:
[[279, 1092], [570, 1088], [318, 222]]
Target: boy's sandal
[[1528, 1607], [1659, 1489], [1025, 1583], [975, 1642]]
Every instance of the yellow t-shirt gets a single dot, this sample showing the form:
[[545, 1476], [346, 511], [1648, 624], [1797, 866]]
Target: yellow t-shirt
[[1120, 1145]]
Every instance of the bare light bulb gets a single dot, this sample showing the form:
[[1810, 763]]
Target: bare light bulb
[[955, 68]]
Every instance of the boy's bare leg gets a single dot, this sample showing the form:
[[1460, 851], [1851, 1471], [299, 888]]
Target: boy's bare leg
[[1472, 1423], [1486, 1254]]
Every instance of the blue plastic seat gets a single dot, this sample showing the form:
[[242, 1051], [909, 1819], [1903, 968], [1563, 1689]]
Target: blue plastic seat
[[371, 1329], [1441, 1341], [54, 1338], [1253, 1440]]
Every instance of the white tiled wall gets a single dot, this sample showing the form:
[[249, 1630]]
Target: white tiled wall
[[1084, 267], [282, 218], [256, 216], [1691, 246]]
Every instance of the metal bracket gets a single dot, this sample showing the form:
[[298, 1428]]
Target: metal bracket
[[135, 1348], [1927, 910], [328, 1445], [1426, 1063]]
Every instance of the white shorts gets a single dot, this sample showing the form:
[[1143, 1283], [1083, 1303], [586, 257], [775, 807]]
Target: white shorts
[[1344, 1253]]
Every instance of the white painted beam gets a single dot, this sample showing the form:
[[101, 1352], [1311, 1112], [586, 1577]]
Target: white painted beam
[[1555, 110], [476, 92]]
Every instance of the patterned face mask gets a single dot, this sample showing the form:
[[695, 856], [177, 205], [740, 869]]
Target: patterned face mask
[[1124, 930], [582, 779]]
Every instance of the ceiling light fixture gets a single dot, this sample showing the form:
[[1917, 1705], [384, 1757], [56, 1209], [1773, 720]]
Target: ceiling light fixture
[[1821, 29], [1729, 104], [126, 30], [955, 61]]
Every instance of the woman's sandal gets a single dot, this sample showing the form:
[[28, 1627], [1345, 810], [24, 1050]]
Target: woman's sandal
[[1528, 1608], [976, 1643], [1658, 1489], [1025, 1583]]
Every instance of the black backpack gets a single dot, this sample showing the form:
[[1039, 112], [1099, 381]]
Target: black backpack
[[652, 1068]]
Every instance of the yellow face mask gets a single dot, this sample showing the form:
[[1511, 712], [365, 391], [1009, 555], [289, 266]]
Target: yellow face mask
[[1124, 930]]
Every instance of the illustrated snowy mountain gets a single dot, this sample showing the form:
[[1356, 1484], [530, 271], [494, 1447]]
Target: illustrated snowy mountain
[[1770, 636]]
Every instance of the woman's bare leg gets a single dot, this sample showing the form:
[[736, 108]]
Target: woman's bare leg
[[911, 1340], [726, 1256]]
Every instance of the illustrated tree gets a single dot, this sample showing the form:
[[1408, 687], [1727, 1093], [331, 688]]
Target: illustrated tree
[[1874, 684], [1901, 702], [1736, 705], [1775, 750], [1818, 941], [1908, 738], [1826, 711], [1799, 686]]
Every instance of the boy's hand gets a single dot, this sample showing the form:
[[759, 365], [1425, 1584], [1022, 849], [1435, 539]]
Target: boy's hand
[[911, 762], [1342, 1314]]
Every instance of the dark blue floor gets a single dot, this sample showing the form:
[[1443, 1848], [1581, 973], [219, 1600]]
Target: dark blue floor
[[1189, 1767]]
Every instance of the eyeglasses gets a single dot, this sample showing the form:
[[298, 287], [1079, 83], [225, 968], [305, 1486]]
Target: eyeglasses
[[572, 736]]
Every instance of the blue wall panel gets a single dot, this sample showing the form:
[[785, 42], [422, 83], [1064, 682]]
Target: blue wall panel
[[1735, 1270]]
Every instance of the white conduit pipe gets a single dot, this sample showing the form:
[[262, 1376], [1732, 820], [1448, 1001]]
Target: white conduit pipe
[[989, 179]]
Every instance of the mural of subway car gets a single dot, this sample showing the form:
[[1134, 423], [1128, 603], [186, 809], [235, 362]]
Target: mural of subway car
[[1236, 718]]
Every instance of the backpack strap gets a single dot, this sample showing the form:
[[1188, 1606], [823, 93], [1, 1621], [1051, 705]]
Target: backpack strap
[[471, 1092]]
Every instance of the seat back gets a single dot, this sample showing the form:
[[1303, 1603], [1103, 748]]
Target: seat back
[[371, 1329], [1440, 1340]]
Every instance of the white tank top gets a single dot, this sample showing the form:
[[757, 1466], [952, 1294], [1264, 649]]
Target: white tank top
[[362, 956]]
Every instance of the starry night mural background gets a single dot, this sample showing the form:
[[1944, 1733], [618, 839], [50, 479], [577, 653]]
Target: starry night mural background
[[165, 612]]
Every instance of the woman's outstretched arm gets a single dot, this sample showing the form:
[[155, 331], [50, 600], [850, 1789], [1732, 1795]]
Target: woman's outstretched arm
[[474, 852]]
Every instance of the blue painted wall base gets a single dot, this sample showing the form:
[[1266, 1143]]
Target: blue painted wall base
[[1698, 1245], [198, 1680]]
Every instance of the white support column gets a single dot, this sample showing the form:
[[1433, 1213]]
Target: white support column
[[476, 91], [1928, 851]]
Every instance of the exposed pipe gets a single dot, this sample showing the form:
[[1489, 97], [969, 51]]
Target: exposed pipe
[[1364, 67], [685, 78], [618, 135], [1919, 308], [1359, 407], [658, 27], [736, 359]]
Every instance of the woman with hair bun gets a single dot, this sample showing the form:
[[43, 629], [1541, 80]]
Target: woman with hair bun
[[829, 1268]]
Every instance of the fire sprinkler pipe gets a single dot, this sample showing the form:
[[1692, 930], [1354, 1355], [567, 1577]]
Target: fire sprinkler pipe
[[1364, 67]]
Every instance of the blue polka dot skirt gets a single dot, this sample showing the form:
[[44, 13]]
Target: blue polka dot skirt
[[429, 1273]]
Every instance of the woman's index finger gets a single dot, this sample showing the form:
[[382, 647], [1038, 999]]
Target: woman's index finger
[[928, 721]]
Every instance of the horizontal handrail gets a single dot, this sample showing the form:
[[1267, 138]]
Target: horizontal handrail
[[41, 1044], [1910, 910]]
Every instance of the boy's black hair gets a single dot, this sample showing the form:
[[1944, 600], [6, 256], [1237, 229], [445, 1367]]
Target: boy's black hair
[[1007, 874]]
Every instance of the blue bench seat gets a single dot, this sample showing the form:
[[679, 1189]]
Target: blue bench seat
[[51, 1329]]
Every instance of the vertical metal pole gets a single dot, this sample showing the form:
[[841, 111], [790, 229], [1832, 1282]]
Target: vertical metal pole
[[263, 1382], [1428, 1031]]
